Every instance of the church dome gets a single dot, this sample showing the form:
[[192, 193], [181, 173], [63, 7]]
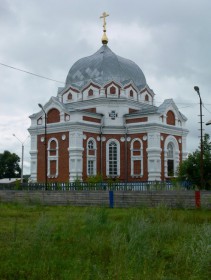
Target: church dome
[[104, 66]]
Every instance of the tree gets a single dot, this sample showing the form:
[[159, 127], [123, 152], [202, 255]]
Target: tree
[[9, 165], [189, 169]]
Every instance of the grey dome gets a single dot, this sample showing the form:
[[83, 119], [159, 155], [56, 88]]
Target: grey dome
[[104, 66]]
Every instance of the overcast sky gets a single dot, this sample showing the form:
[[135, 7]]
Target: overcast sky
[[170, 40]]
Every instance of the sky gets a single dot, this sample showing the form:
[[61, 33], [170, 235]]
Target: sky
[[169, 40]]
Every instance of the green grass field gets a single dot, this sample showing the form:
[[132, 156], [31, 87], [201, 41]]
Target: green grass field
[[38, 242]]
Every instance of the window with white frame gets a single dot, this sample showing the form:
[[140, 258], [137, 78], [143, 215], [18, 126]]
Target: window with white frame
[[53, 163], [91, 157], [172, 156], [136, 158], [170, 159], [113, 158]]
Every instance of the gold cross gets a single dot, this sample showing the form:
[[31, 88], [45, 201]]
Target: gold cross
[[104, 15]]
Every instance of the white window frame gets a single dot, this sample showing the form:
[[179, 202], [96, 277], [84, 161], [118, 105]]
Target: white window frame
[[108, 159], [138, 157], [175, 157], [53, 158], [92, 158]]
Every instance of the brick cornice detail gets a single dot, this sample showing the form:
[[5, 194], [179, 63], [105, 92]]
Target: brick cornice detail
[[144, 119], [90, 119]]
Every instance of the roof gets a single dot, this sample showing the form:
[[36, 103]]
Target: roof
[[104, 66]]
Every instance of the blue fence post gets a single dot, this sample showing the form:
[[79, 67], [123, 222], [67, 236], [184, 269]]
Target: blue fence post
[[111, 199]]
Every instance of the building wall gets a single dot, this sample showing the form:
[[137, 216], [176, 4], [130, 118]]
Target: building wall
[[101, 157], [163, 139], [63, 157], [125, 155]]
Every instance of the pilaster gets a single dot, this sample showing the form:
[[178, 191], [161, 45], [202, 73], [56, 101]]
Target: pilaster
[[33, 152], [154, 156], [75, 155]]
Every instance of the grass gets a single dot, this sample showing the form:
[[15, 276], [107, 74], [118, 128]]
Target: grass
[[40, 242]]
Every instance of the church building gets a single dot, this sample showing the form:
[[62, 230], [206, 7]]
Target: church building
[[104, 121]]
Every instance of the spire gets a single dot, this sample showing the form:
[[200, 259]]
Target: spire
[[104, 38]]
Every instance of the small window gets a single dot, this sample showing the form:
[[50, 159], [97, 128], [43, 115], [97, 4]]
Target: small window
[[91, 157], [90, 170], [70, 96], [136, 158], [53, 145], [170, 118], [131, 93], [90, 92], [112, 90], [147, 97]]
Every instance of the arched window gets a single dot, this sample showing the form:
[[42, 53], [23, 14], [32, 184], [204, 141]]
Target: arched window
[[91, 157], [170, 118], [70, 96], [171, 156], [112, 158], [53, 116], [112, 90], [136, 158], [170, 159], [53, 163], [147, 98], [131, 93], [90, 92]]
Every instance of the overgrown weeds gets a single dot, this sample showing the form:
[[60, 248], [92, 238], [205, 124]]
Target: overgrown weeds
[[98, 243]]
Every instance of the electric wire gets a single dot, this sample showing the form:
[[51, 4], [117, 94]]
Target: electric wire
[[186, 105], [30, 73]]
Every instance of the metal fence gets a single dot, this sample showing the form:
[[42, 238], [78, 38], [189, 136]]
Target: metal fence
[[116, 186]]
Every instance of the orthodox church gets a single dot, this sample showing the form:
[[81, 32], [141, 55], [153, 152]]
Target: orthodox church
[[104, 121]]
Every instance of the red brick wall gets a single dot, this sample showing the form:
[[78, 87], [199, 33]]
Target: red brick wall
[[170, 118], [53, 116], [90, 119], [63, 157], [125, 170], [145, 161], [144, 119]]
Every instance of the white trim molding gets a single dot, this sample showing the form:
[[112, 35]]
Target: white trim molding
[[54, 157], [138, 157], [175, 157], [91, 157], [115, 160]]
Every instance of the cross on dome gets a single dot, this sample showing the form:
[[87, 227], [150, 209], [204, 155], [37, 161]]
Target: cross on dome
[[104, 38]]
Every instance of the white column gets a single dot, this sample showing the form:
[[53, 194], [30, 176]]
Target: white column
[[184, 149], [154, 156], [75, 155], [33, 153]]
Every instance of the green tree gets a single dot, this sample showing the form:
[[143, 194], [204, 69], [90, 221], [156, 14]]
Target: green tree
[[190, 168], [9, 165]]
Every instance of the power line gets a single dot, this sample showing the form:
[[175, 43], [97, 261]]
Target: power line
[[50, 79], [27, 72], [206, 108]]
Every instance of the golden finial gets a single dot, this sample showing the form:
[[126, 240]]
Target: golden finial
[[104, 38]]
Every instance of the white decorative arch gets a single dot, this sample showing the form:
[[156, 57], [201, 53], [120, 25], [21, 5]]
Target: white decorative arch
[[175, 158], [136, 159], [112, 165], [91, 151], [53, 156]]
